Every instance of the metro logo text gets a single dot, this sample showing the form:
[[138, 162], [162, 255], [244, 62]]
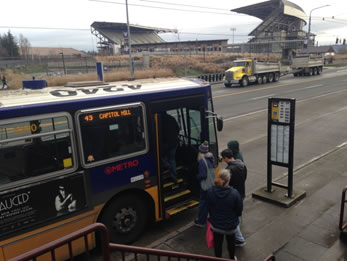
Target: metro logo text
[[121, 166]]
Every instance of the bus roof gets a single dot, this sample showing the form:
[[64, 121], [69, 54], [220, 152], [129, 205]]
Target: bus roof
[[20, 97]]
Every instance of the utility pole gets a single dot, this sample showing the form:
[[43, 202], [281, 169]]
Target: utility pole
[[131, 64], [233, 30], [62, 56], [309, 24]]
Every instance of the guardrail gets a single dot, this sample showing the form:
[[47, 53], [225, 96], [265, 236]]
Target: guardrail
[[343, 226], [122, 252], [212, 77]]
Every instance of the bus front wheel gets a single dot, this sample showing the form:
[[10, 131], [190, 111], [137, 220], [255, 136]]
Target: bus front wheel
[[125, 218]]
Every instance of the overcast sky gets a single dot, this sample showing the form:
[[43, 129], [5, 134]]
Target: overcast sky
[[66, 23]]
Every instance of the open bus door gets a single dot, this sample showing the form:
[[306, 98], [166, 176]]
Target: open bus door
[[189, 114]]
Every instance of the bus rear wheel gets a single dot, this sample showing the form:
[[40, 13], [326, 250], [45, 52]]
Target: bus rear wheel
[[125, 218]]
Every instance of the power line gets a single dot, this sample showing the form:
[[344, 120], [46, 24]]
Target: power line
[[164, 8], [44, 28], [194, 6]]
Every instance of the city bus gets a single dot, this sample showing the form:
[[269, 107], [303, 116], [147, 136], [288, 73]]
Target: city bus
[[92, 152]]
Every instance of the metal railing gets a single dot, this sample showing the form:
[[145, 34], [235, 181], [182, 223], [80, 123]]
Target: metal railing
[[212, 77], [342, 226], [123, 252], [50, 247]]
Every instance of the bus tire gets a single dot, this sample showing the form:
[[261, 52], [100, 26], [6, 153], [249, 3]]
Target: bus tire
[[244, 81], [125, 218]]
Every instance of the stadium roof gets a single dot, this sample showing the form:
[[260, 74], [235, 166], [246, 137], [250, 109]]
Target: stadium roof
[[264, 9], [116, 33]]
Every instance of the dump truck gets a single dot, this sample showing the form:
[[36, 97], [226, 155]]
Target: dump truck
[[251, 70], [306, 65]]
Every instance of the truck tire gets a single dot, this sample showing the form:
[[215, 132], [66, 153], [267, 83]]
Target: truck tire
[[244, 82], [277, 77], [125, 218], [271, 77], [264, 78], [315, 69], [319, 71], [259, 79]]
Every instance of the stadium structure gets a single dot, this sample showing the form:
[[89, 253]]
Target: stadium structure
[[113, 39], [281, 30]]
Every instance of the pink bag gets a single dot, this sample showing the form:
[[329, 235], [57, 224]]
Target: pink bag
[[209, 236]]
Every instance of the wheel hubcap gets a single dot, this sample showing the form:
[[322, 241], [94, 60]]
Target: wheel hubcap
[[125, 220]]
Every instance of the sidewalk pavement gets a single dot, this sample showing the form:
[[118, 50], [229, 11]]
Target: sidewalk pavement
[[307, 231]]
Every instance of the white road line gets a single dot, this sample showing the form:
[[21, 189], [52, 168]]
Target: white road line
[[261, 97], [314, 86], [255, 112]]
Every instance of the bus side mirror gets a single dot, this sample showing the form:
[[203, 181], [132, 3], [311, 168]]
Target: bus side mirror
[[219, 123]]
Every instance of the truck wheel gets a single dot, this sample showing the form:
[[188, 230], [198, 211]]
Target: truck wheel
[[125, 218], [270, 77], [314, 71], [320, 70], [277, 76], [259, 79], [244, 81], [310, 72], [228, 85], [295, 74], [264, 79]]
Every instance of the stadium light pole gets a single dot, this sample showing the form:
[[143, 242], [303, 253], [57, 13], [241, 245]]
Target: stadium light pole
[[309, 22], [233, 30], [129, 45]]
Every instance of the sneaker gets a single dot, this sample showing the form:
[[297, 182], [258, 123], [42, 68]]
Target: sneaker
[[198, 224], [240, 243]]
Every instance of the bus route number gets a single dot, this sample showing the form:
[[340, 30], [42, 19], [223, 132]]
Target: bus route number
[[89, 117]]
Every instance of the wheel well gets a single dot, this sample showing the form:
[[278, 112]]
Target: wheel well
[[133, 192]]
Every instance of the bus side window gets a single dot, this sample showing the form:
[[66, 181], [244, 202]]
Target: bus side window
[[23, 155]]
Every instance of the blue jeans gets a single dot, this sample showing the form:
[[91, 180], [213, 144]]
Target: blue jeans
[[238, 234], [171, 159], [203, 208]]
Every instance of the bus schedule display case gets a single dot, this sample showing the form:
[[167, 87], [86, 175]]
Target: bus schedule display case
[[72, 156]]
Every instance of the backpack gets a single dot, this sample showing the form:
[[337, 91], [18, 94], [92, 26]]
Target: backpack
[[209, 181]]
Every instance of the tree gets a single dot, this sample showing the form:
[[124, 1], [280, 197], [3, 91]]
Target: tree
[[24, 46], [9, 44]]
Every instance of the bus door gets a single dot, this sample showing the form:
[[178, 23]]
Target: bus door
[[183, 192]]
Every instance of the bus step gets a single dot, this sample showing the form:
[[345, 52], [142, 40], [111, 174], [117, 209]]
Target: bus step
[[170, 185], [176, 197], [182, 206]]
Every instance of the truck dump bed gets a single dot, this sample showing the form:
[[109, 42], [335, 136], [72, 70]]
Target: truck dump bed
[[306, 62], [265, 67]]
